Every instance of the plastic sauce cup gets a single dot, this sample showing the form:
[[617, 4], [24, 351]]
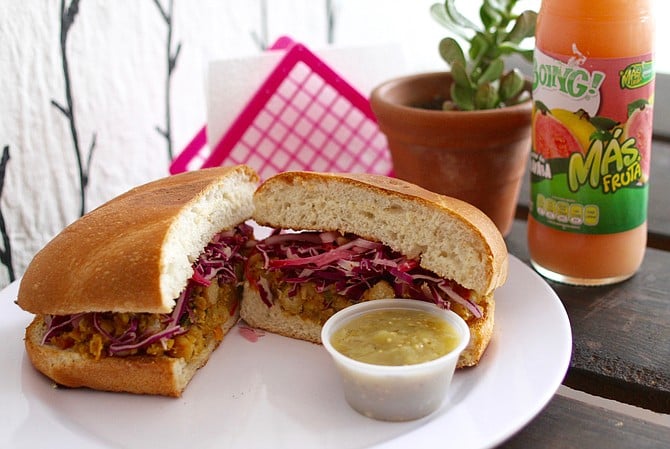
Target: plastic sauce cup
[[395, 393]]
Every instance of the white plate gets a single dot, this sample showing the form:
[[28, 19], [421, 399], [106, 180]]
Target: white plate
[[283, 393]]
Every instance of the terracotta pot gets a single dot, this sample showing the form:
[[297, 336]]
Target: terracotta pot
[[476, 156]]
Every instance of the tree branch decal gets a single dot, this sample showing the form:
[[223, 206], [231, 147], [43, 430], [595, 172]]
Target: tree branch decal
[[330, 22], [262, 39], [6, 251], [171, 64], [67, 16]]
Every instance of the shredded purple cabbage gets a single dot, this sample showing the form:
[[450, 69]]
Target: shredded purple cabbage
[[216, 263], [352, 266]]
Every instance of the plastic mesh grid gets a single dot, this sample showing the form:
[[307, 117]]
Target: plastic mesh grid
[[304, 117]]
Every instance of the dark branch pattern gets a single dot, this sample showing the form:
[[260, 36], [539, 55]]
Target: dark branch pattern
[[330, 22], [166, 132], [67, 17], [262, 39], [6, 251]]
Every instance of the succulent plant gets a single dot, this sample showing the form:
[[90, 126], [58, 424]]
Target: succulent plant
[[480, 79]]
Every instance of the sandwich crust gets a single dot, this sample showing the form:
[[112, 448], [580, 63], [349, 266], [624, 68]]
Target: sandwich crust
[[134, 253]]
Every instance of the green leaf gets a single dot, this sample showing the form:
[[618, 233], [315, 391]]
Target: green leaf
[[460, 75], [490, 17], [457, 17], [463, 97], [451, 51], [637, 104], [526, 54], [511, 85], [492, 72], [508, 5], [475, 55], [523, 28], [486, 97], [479, 46], [603, 123], [439, 13], [498, 5], [509, 48], [541, 107]]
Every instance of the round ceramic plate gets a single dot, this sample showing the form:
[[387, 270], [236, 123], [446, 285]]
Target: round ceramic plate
[[283, 393]]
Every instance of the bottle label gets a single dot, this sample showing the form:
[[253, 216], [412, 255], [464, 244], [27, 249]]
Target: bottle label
[[592, 126]]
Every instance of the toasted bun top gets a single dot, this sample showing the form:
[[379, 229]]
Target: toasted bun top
[[452, 238], [134, 253]]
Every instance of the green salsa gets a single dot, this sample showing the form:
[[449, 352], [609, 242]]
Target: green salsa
[[395, 337]]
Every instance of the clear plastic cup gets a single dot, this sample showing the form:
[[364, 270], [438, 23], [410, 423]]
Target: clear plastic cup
[[395, 393]]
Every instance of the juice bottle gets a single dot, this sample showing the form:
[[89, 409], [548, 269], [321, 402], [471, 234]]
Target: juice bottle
[[593, 87]]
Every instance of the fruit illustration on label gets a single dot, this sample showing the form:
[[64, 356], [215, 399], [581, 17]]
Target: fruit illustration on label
[[639, 126], [558, 133]]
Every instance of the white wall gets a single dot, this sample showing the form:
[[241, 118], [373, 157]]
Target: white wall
[[117, 67], [117, 56]]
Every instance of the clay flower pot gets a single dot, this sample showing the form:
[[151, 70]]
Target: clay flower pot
[[477, 156]]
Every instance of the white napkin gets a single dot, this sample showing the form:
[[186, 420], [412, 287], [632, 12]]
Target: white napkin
[[231, 83]]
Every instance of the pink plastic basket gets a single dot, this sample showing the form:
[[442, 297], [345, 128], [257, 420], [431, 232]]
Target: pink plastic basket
[[303, 117]]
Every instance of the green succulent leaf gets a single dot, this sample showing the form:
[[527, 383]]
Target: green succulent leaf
[[463, 97], [492, 72], [526, 54], [451, 51], [486, 97], [490, 16], [497, 5], [508, 48], [460, 75], [439, 13], [511, 85], [479, 46], [477, 58], [457, 17], [523, 28]]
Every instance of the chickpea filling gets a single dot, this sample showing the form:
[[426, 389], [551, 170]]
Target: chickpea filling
[[316, 274], [209, 300], [209, 308]]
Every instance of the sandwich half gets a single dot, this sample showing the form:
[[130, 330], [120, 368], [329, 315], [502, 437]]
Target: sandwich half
[[135, 295], [365, 237]]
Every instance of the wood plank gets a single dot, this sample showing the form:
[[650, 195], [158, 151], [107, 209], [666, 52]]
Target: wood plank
[[659, 196], [568, 423], [621, 333]]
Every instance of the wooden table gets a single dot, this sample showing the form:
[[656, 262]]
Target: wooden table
[[621, 344]]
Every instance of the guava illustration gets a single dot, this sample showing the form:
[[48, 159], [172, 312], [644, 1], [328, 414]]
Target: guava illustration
[[559, 133], [579, 124], [639, 126]]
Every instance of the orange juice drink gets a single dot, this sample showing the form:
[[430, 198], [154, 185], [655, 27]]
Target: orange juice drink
[[593, 85]]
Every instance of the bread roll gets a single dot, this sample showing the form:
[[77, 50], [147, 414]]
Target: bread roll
[[135, 255], [449, 237]]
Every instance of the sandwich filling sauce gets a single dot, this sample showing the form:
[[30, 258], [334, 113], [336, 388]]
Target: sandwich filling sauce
[[316, 274], [208, 301]]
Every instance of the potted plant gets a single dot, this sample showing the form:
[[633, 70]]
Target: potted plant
[[466, 132]]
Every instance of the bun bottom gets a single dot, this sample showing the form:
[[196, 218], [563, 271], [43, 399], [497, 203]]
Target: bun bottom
[[159, 375], [274, 319]]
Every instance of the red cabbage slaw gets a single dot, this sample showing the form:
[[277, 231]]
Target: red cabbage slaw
[[352, 265], [223, 253]]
